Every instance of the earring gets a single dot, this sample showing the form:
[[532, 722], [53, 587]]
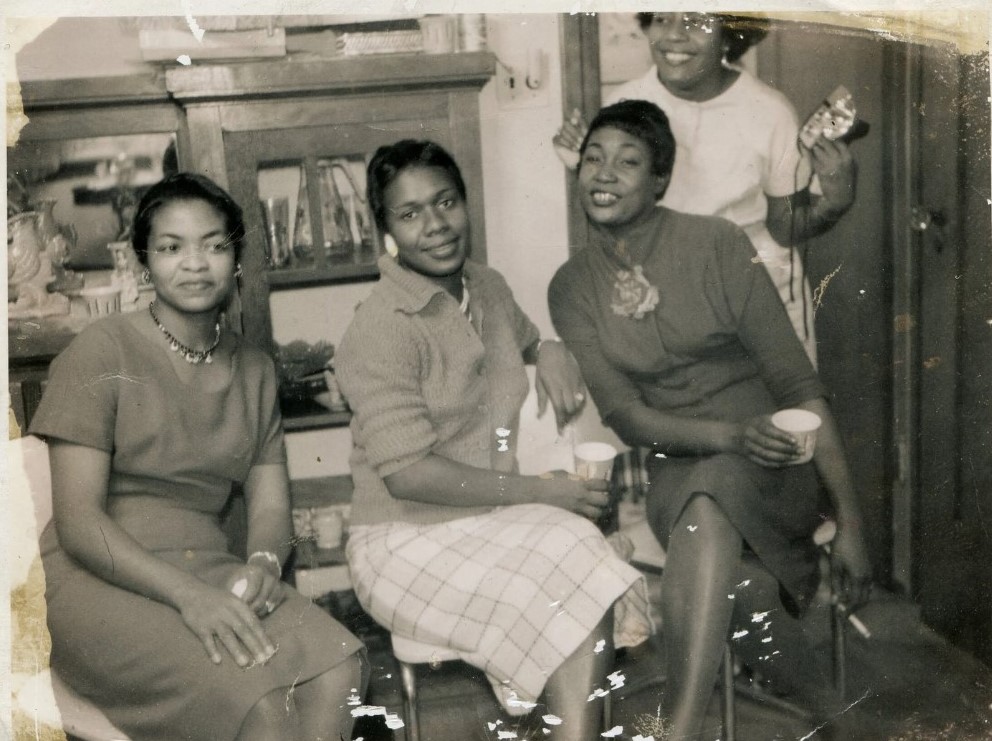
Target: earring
[[238, 272], [146, 276], [390, 244]]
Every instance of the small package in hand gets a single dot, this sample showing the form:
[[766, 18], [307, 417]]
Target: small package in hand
[[836, 119]]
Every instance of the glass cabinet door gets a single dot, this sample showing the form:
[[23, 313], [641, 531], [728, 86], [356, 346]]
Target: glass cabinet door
[[311, 249], [310, 243], [315, 219]]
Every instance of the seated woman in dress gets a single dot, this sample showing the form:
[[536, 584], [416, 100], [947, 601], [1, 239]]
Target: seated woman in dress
[[448, 544], [151, 419], [687, 349]]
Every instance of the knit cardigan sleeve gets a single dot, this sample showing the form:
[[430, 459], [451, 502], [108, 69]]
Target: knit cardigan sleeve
[[378, 368]]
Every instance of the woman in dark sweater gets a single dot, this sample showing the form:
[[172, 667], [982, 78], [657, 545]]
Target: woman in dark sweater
[[687, 349]]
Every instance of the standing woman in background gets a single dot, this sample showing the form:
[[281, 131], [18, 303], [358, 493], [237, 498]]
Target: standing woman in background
[[151, 419], [737, 149]]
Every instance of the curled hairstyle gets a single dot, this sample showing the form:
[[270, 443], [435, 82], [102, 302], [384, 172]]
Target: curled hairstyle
[[389, 161], [186, 186], [738, 33], [643, 120]]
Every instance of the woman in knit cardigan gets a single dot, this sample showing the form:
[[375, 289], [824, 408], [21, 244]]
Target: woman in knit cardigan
[[449, 545]]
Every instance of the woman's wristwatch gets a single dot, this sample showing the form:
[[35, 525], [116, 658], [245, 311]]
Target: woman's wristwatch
[[269, 558]]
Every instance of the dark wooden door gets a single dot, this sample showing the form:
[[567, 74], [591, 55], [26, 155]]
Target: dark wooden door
[[851, 267], [950, 242], [903, 326]]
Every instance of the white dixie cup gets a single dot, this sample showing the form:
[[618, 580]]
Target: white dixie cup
[[328, 525], [802, 425], [594, 460]]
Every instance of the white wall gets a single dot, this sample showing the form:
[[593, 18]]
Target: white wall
[[526, 215], [77, 47], [526, 219]]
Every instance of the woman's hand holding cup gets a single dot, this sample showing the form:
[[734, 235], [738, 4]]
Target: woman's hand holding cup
[[586, 497], [783, 439]]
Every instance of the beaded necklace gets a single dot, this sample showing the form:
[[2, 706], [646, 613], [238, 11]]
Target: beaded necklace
[[188, 353]]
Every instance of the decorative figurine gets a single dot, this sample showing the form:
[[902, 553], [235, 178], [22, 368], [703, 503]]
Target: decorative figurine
[[29, 271]]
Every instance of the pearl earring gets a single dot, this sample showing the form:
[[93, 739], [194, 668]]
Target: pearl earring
[[391, 247], [238, 272], [146, 276]]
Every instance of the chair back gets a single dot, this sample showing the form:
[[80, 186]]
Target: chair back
[[29, 485]]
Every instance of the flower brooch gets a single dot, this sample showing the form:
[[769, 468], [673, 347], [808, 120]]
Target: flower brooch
[[633, 295]]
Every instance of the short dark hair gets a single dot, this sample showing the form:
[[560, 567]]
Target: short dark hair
[[186, 186], [644, 120], [390, 160], [739, 33]]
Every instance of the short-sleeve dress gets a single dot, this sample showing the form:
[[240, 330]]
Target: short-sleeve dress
[[176, 452], [715, 344], [514, 590]]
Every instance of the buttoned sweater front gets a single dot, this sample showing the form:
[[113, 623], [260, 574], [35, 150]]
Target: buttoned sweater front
[[423, 378]]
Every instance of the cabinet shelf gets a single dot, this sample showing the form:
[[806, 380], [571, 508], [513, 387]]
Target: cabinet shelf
[[320, 491], [309, 415], [302, 277]]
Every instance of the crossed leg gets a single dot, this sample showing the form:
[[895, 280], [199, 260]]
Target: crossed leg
[[701, 572]]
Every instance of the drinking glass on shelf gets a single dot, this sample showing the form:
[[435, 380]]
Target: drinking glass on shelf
[[334, 217], [275, 215], [302, 233]]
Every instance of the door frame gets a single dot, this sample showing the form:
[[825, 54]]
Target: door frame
[[580, 88]]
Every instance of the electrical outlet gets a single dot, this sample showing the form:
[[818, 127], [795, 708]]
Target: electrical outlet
[[515, 89], [507, 80]]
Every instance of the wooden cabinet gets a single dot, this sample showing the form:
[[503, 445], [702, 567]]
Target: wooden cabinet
[[74, 131], [249, 126], [309, 127]]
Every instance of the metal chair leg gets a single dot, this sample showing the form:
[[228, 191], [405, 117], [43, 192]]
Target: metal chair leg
[[409, 677], [838, 627], [607, 712], [727, 694]]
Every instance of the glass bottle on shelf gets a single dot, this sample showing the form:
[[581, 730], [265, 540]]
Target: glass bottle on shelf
[[302, 232], [358, 216], [337, 231], [361, 221]]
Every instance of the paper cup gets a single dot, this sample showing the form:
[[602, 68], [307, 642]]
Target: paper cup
[[594, 460], [802, 425], [328, 524]]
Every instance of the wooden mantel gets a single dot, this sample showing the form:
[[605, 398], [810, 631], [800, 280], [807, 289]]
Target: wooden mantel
[[293, 76]]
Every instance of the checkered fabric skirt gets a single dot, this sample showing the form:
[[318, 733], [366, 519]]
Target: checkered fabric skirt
[[514, 591]]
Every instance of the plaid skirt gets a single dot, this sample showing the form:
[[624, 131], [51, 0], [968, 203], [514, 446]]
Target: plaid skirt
[[513, 591]]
